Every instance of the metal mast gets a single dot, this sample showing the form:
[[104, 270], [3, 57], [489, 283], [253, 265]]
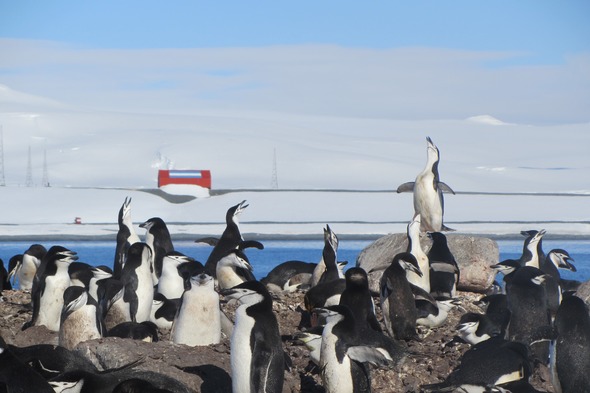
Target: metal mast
[[2, 178], [274, 182], [29, 179], [45, 180]]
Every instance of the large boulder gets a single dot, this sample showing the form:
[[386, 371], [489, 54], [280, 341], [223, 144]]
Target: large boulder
[[583, 292], [474, 255]]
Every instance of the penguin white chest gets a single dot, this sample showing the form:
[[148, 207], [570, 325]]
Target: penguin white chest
[[427, 202], [170, 283], [241, 353], [145, 293], [336, 376], [199, 319], [51, 301], [78, 327]]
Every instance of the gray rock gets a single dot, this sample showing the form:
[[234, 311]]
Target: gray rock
[[474, 255], [583, 292]]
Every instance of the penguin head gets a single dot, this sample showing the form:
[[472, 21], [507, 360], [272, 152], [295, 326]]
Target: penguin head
[[534, 239], [561, 259], [408, 262], [154, 222], [414, 226], [432, 152], [234, 212], [330, 238], [235, 258], [36, 250], [125, 210], [14, 265], [61, 253], [101, 272], [74, 298], [356, 277], [333, 313], [175, 258], [507, 266], [248, 292], [469, 322], [202, 279]]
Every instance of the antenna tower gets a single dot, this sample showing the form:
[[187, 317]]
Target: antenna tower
[[2, 179], [45, 180], [29, 179], [274, 182]]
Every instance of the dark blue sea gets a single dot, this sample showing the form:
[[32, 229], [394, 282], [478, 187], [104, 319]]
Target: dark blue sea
[[278, 251]]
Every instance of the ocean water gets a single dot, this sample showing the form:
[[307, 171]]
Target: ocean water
[[277, 251]]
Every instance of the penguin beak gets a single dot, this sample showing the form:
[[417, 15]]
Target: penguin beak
[[413, 268], [565, 263]]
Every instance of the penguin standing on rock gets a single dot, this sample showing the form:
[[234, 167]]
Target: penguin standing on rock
[[529, 311], [327, 269], [570, 362], [233, 269], [257, 357], [137, 280], [428, 192], [343, 359], [26, 268], [414, 247], [397, 301], [80, 320], [198, 321], [230, 238], [357, 297], [126, 236], [51, 280], [444, 271], [171, 282], [157, 237]]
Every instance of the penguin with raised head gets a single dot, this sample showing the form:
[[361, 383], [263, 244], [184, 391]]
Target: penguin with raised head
[[532, 252], [570, 360], [51, 280], [137, 280], [17, 376], [414, 247], [158, 238], [233, 269], [444, 271], [343, 359], [126, 236], [529, 311], [230, 238], [257, 357], [26, 268], [428, 192], [198, 321], [327, 270], [80, 320], [556, 259], [397, 300], [171, 282]]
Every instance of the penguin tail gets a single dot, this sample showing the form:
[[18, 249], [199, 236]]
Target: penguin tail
[[445, 228]]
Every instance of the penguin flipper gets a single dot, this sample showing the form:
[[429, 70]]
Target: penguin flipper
[[406, 187], [444, 187], [250, 244], [363, 354], [212, 241]]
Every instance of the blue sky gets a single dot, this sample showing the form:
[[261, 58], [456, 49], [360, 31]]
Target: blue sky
[[521, 61], [546, 29]]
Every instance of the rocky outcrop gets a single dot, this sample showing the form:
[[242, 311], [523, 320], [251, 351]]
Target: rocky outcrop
[[583, 292], [474, 255]]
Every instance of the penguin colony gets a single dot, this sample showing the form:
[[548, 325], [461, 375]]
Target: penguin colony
[[534, 320]]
